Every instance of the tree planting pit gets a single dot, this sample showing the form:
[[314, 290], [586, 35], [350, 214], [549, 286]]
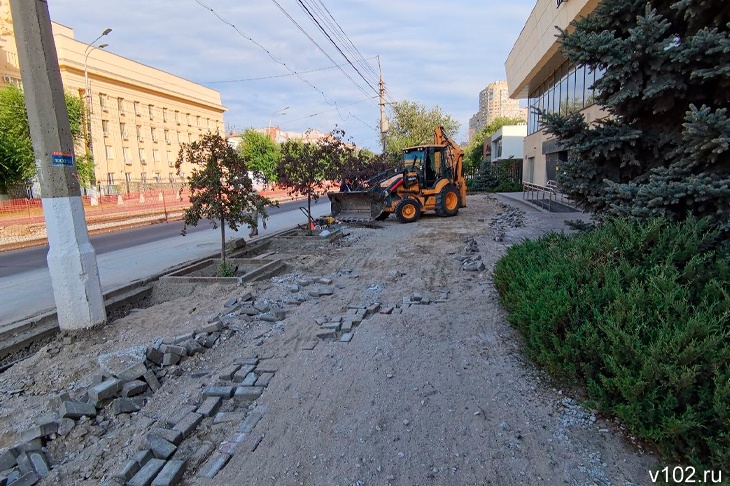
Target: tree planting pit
[[245, 270]]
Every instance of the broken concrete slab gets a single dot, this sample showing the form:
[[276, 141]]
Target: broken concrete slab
[[116, 362]]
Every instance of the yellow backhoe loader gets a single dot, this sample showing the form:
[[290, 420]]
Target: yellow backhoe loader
[[431, 179]]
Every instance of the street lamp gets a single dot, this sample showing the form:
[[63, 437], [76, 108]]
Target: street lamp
[[87, 94], [277, 112]]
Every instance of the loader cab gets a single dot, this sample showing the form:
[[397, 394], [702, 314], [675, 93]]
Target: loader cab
[[427, 162]]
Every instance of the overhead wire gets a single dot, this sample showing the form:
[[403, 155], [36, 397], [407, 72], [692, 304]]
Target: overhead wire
[[274, 76]]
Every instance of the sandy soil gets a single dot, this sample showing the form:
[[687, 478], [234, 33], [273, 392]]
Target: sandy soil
[[428, 394]]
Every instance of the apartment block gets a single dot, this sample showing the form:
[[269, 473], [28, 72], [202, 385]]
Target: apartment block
[[139, 116], [494, 102]]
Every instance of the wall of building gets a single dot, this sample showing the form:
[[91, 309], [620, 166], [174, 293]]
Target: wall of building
[[536, 70], [139, 115], [508, 142]]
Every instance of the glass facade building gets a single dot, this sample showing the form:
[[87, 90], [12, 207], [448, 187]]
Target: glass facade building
[[568, 88]]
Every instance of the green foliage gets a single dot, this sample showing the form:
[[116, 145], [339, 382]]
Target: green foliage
[[225, 269], [665, 152], [412, 124], [261, 155], [496, 177], [17, 162], [639, 314], [221, 189], [474, 151]]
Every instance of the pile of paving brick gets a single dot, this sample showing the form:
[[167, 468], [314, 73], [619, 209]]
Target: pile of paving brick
[[125, 381], [470, 259]]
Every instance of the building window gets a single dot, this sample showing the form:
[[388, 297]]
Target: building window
[[177, 117], [171, 176], [178, 138], [102, 102], [123, 130], [137, 111], [207, 123], [197, 121], [154, 134], [158, 179], [187, 119], [109, 150], [120, 105], [170, 161], [151, 112], [110, 178], [105, 127], [164, 115], [156, 156], [127, 156], [141, 157], [140, 138], [167, 136], [143, 178]]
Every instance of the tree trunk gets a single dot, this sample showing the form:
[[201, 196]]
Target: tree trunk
[[309, 213], [223, 239]]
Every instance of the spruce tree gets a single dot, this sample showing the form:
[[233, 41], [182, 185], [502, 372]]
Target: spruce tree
[[665, 149]]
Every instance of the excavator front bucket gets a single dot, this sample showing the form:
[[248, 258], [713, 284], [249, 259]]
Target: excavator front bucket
[[355, 206]]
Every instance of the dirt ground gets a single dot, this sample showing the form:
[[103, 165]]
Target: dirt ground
[[438, 393]]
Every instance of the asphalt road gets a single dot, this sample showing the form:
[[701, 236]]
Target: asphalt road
[[18, 261]]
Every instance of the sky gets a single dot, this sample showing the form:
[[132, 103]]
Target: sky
[[273, 65]]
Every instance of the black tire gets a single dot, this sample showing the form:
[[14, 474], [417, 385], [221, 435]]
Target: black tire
[[382, 217], [447, 201], [408, 210]]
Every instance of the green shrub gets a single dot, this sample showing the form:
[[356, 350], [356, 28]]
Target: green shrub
[[639, 314]]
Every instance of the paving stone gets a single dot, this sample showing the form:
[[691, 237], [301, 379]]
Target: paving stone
[[249, 360], [11, 476], [179, 414], [104, 391], [346, 325], [76, 410], [386, 310], [148, 472], [329, 334], [241, 374], [188, 423], [267, 368], [219, 391], [211, 340], [169, 359], [192, 347], [264, 379], [134, 387], [332, 325], [326, 291], [161, 448], [210, 406], [357, 320], [249, 310], [251, 420], [174, 349], [228, 372], [416, 296], [215, 463], [229, 448], [152, 380], [200, 455], [31, 445], [170, 435], [320, 320], [143, 457], [279, 314], [181, 338], [171, 473], [346, 338], [294, 288], [372, 309], [228, 417], [304, 281], [39, 463], [65, 425], [8, 459], [155, 355], [249, 380], [248, 393], [313, 292], [56, 401], [128, 471], [230, 302], [324, 281], [267, 317], [133, 372], [27, 479], [39, 431], [124, 405], [24, 463]]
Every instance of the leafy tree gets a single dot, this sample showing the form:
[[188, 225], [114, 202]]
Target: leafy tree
[[221, 189], [306, 168], [665, 149], [412, 123], [261, 155], [474, 151], [17, 162]]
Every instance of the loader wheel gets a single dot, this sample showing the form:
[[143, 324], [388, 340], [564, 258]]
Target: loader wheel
[[447, 201], [408, 210]]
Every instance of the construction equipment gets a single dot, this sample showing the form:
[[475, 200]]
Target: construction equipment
[[431, 179]]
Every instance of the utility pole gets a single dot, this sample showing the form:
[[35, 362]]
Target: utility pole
[[71, 258], [383, 119]]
